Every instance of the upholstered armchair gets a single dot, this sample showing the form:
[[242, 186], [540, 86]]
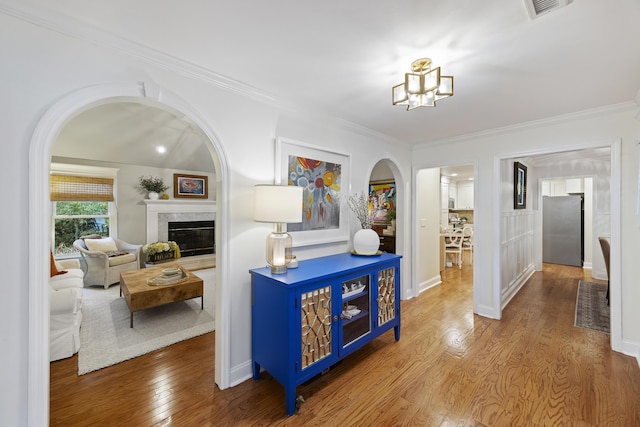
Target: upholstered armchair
[[104, 259]]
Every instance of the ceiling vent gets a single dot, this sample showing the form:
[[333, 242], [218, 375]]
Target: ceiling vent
[[537, 8]]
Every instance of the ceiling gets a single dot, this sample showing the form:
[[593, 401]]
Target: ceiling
[[341, 58]]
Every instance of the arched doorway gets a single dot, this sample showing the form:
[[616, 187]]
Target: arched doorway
[[39, 228]]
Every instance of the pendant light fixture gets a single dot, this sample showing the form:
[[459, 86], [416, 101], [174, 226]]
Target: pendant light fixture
[[423, 86]]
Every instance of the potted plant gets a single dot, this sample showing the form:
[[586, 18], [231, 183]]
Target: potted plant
[[366, 241], [153, 186], [160, 251]]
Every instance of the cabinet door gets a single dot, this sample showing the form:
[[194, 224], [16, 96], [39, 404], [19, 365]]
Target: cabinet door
[[386, 295], [316, 334]]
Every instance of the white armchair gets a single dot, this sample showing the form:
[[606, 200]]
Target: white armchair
[[104, 259]]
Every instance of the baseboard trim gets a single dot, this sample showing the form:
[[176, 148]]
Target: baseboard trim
[[428, 284], [631, 348], [240, 373], [508, 296]]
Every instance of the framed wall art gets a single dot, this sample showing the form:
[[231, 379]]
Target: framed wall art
[[382, 201], [190, 186], [325, 178], [519, 186]]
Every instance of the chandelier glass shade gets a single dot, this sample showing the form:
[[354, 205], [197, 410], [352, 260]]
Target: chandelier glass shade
[[423, 86]]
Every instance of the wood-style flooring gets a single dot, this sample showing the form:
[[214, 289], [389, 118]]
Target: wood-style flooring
[[450, 367]]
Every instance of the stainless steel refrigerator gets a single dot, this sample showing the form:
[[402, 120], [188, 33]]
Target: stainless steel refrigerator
[[562, 230]]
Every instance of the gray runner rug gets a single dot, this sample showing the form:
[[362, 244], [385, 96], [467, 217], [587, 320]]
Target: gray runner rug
[[592, 311], [107, 339]]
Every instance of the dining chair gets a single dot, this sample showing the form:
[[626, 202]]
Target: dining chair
[[453, 245], [467, 241]]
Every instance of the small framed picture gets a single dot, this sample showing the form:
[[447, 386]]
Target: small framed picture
[[190, 186], [519, 186]]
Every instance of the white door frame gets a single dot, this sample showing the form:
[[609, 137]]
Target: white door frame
[[42, 140]]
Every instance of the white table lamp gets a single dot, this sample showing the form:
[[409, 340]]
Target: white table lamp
[[279, 204]]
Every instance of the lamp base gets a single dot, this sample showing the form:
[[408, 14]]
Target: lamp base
[[278, 269]]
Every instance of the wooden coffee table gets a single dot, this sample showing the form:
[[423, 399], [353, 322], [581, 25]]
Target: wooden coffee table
[[140, 296]]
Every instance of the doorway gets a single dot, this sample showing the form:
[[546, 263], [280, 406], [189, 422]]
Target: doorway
[[445, 200], [39, 157]]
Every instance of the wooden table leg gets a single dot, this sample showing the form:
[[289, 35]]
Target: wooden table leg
[[131, 319]]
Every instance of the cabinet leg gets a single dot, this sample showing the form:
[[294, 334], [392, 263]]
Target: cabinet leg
[[256, 371], [396, 332], [290, 395]]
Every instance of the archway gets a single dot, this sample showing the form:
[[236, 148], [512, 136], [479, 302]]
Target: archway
[[393, 173], [39, 159]]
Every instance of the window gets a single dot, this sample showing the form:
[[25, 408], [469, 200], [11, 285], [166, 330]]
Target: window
[[81, 205], [74, 219]]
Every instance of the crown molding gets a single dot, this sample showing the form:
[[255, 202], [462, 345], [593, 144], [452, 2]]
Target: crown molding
[[72, 27], [564, 118], [66, 25]]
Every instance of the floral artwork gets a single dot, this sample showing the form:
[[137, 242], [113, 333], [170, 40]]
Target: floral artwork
[[324, 176], [321, 192]]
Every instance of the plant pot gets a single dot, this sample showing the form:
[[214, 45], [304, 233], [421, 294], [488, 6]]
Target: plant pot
[[160, 256], [366, 242], [153, 195]]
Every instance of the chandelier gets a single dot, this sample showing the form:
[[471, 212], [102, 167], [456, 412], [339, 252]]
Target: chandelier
[[423, 86]]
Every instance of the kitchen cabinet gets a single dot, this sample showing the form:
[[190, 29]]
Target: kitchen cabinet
[[465, 196], [309, 318]]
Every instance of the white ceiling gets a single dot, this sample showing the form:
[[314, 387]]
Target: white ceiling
[[341, 58]]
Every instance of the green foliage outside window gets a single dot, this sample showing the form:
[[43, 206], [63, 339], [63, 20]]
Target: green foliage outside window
[[75, 219]]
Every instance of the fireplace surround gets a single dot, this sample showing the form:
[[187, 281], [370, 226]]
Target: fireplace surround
[[161, 212]]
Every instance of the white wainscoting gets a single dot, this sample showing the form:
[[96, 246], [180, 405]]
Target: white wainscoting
[[516, 251]]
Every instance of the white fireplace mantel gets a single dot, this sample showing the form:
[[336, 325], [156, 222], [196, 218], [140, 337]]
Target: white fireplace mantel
[[173, 206]]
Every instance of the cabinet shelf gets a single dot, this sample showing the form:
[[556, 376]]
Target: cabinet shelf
[[348, 296], [346, 321]]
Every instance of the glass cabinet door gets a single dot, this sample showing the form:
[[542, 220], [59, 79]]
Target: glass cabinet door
[[356, 309], [316, 325], [386, 295]]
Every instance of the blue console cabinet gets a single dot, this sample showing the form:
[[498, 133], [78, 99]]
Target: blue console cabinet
[[309, 318]]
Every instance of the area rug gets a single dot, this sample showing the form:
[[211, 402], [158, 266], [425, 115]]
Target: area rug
[[107, 339], [592, 311]]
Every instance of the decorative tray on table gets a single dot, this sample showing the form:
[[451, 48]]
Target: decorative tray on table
[[169, 276]]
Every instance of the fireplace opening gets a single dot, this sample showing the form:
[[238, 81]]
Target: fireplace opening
[[193, 237]]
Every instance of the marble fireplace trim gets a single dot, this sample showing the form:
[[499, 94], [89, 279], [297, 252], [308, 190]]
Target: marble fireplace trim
[[161, 212]]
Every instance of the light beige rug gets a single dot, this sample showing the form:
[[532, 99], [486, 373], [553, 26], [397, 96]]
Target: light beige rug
[[107, 339]]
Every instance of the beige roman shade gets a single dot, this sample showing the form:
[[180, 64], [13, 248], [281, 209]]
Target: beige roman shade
[[80, 188]]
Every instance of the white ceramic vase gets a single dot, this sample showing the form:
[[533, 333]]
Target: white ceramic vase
[[366, 242], [153, 195]]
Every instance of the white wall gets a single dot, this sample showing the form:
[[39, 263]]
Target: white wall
[[427, 226], [131, 208], [40, 68], [593, 128]]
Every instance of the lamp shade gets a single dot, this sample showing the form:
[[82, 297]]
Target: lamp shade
[[278, 203]]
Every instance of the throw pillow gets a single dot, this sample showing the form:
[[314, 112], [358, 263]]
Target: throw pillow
[[91, 236], [54, 270], [101, 245]]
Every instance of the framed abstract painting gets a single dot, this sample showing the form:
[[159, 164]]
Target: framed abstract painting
[[324, 176]]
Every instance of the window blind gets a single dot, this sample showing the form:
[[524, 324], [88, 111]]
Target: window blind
[[65, 188]]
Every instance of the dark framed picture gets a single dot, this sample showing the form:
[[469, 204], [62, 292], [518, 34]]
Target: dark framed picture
[[190, 186], [519, 186]]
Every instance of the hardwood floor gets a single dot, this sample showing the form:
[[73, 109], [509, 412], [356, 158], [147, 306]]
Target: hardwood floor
[[450, 367]]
